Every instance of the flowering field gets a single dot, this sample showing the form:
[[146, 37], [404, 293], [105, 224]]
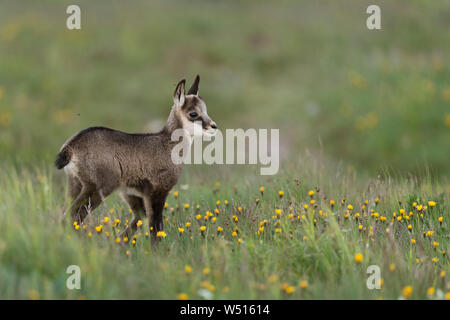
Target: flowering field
[[307, 235]]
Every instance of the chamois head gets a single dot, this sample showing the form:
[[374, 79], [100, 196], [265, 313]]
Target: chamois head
[[191, 110]]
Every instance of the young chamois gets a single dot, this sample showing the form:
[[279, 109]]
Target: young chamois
[[100, 160]]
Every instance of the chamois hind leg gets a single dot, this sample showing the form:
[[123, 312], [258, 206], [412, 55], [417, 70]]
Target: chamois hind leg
[[74, 187], [137, 205], [88, 199], [92, 201]]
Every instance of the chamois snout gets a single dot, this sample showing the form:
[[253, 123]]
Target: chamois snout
[[209, 126]]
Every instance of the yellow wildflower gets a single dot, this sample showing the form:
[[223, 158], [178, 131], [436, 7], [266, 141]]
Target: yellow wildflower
[[407, 292], [182, 296], [161, 234], [289, 289], [207, 285]]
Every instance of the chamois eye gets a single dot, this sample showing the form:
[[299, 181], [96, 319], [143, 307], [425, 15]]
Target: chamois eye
[[193, 114]]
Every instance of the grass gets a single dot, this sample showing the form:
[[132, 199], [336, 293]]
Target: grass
[[317, 245]]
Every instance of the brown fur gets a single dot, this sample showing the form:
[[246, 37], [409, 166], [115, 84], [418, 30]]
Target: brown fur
[[100, 160]]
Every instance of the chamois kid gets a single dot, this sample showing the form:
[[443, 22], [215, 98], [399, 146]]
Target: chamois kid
[[99, 160]]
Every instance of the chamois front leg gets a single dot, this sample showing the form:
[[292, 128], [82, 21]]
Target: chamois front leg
[[149, 212], [156, 219]]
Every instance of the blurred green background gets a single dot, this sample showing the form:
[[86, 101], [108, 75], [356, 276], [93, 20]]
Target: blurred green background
[[372, 99]]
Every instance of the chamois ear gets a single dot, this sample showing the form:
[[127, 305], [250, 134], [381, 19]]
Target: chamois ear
[[179, 94], [194, 87]]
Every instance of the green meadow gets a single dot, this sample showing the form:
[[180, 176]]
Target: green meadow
[[364, 120]]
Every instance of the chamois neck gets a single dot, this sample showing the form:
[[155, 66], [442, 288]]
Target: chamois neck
[[173, 123]]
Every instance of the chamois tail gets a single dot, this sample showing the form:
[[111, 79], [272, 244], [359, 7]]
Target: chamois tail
[[63, 158]]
